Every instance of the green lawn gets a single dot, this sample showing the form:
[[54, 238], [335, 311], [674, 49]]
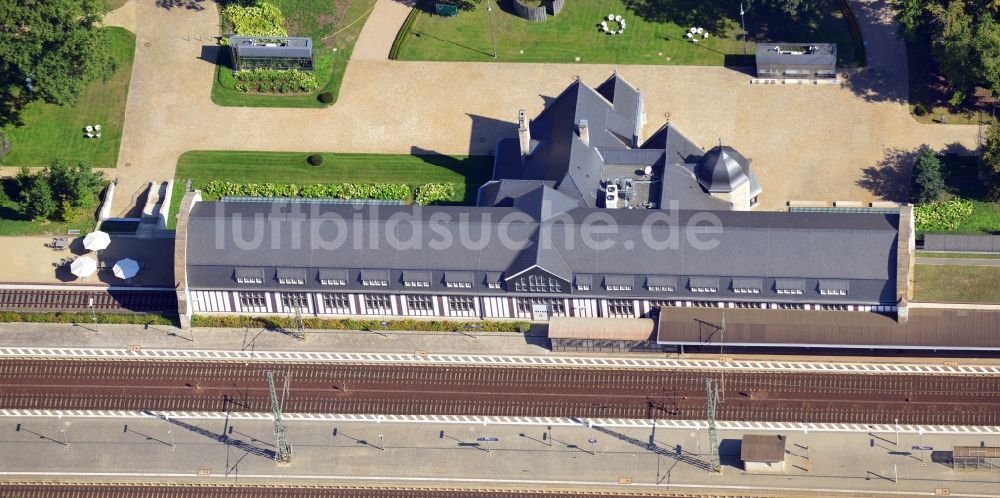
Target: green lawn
[[654, 33], [466, 172], [113, 4], [334, 27], [12, 223], [957, 284], [957, 255], [961, 176], [52, 132]]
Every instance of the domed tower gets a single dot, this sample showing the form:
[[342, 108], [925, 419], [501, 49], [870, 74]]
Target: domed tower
[[725, 174]]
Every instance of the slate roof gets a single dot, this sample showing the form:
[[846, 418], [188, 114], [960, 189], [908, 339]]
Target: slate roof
[[560, 159], [722, 169], [560, 156], [859, 248]]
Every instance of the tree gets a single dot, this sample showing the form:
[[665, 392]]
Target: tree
[[461, 4], [991, 159], [76, 185], [57, 44], [952, 46], [928, 182], [4, 145], [36, 197]]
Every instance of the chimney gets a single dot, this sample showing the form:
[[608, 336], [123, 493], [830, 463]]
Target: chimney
[[585, 132], [523, 134]]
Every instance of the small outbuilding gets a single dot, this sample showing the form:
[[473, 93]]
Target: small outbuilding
[[272, 52], [763, 453], [619, 335], [797, 61], [975, 457]]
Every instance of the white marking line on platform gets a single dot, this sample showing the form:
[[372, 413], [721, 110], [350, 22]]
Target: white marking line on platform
[[449, 359], [516, 421]]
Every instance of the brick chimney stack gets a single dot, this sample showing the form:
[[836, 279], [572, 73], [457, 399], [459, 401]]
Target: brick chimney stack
[[523, 134], [585, 132]]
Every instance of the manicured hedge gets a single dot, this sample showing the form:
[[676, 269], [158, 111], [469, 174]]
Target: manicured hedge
[[274, 81], [424, 194], [403, 32], [234, 321], [108, 318]]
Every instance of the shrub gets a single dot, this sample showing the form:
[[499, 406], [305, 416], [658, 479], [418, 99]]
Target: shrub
[[326, 97], [109, 318], [920, 109], [263, 19], [315, 159], [274, 81], [232, 321], [928, 182], [941, 216], [434, 192]]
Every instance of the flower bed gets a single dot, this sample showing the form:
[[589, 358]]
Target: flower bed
[[274, 81]]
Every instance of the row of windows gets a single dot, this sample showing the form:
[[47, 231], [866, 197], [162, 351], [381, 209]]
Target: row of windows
[[833, 292], [661, 288], [537, 283], [555, 306], [621, 307]]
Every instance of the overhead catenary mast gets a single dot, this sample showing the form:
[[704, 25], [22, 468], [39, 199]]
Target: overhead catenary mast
[[284, 450]]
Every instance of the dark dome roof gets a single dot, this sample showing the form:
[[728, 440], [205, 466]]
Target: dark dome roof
[[722, 169]]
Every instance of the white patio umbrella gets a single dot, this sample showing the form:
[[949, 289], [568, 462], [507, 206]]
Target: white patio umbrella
[[83, 267], [126, 268], [95, 241]]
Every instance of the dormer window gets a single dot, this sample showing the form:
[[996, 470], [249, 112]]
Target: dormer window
[[661, 284], [291, 276], [703, 285], [789, 286], [747, 285], [458, 279], [833, 287], [618, 282], [249, 275], [333, 277], [584, 282], [374, 278], [416, 279]]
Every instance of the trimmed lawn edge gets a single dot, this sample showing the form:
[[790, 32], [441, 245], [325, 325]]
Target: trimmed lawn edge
[[958, 255], [403, 32], [76, 317]]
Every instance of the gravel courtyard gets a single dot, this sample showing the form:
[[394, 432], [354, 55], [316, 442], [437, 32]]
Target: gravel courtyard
[[810, 142]]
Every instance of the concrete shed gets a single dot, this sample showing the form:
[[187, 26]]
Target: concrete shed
[[763, 453]]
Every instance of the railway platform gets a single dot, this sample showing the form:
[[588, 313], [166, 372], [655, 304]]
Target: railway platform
[[221, 451], [157, 342]]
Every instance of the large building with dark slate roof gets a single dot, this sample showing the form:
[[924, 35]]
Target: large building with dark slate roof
[[544, 240]]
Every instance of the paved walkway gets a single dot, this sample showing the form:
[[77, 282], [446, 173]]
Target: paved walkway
[[234, 450], [807, 142], [380, 29]]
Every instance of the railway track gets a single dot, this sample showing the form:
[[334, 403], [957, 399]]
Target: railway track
[[132, 490], [450, 390], [104, 300]]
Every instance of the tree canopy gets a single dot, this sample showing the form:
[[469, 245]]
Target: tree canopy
[[56, 43], [964, 36]]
